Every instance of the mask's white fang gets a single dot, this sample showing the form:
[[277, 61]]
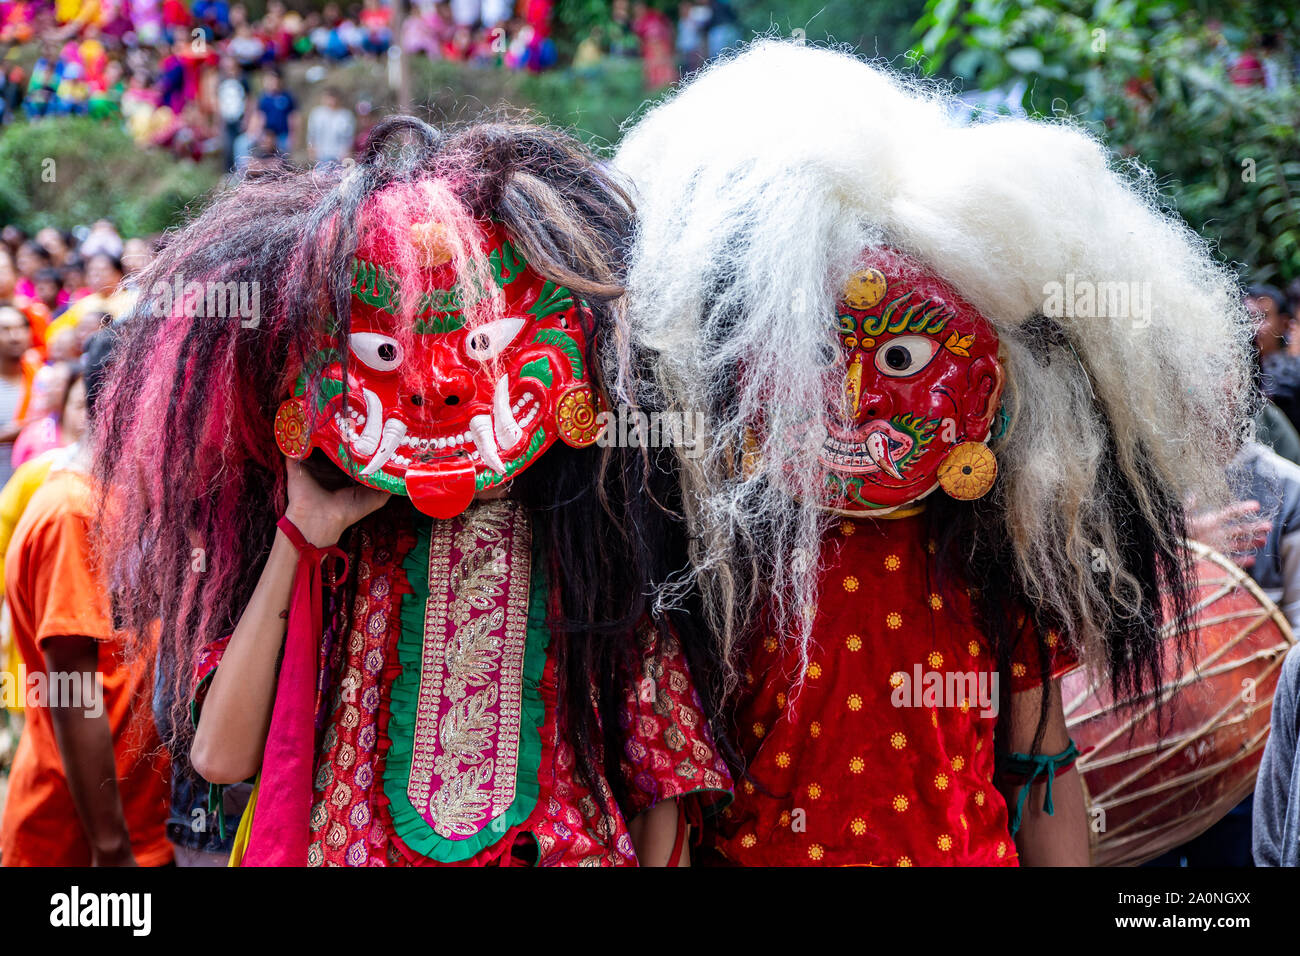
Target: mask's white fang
[[878, 449], [394, 432], [507, 429], [368, 440], [480, 429]]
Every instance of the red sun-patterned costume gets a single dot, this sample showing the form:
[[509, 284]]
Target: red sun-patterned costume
[[843, 775]]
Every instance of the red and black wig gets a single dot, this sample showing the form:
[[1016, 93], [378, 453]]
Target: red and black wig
[[185, 443]]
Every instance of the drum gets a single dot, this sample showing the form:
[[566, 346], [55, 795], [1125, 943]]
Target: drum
[[1151, 788]]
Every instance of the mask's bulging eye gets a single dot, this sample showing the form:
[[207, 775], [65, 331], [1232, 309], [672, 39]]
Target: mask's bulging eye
[[905, 355], [379, 352], [490, 339]]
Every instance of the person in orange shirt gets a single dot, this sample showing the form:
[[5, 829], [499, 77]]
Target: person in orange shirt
[[14, 498], [90, 780]]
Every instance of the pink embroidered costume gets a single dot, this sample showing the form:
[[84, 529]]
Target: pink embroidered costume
[[440, 742]]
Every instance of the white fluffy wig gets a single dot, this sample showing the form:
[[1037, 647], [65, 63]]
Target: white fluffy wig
[[758, 186]]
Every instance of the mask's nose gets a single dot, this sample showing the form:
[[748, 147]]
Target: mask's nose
[[864, 400], [442, 392]]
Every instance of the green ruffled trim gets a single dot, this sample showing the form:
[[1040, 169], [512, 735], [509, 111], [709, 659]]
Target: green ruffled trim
[[194, 697], [217, 805], [216, 791], [408, 825]]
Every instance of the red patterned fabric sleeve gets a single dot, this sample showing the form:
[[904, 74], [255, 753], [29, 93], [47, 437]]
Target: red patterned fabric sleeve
[[1026, 668], [204, 668], [668, 750]]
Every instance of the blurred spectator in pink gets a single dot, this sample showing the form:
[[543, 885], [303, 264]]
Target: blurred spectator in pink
[[49, 390], [1252, 67], [655, 31], [182, 72], [146, 20], [30, 259], [272, 30], [419, 30]]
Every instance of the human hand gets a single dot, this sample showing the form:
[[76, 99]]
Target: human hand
[[1236, 531], [323, 515]]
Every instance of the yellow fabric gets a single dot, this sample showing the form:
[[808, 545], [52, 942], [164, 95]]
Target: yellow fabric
[[116, 305], [89, 12], [65, 10], [245, 827], [69, 319], [28, 477], [11, 663]]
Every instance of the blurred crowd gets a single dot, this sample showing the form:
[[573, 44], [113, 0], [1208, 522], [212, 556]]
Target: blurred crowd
[[1277, 340], [204, 77], [56, 289], [667, 51]]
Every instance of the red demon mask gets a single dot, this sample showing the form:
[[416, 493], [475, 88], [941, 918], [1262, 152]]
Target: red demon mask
[[448, 405], [922, 386]]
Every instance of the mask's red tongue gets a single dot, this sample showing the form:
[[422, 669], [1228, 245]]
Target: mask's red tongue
[[441, 492]]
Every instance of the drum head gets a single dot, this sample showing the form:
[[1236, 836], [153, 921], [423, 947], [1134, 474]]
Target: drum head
[[1153, 785]]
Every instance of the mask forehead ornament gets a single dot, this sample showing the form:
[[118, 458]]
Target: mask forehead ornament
[[436, 406], [921, 391]]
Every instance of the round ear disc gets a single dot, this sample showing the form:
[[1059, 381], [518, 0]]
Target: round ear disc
[[291, 433], [578, 416], [969, 471]]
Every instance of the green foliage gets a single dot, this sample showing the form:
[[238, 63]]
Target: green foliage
[[591, 103], [1152, 80], [69, 170], [874, 29]]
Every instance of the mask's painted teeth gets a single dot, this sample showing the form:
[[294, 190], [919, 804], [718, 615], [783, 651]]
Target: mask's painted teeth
[[369, 438], [394, 432], [878, 450], [480, 428], [507, 430]]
